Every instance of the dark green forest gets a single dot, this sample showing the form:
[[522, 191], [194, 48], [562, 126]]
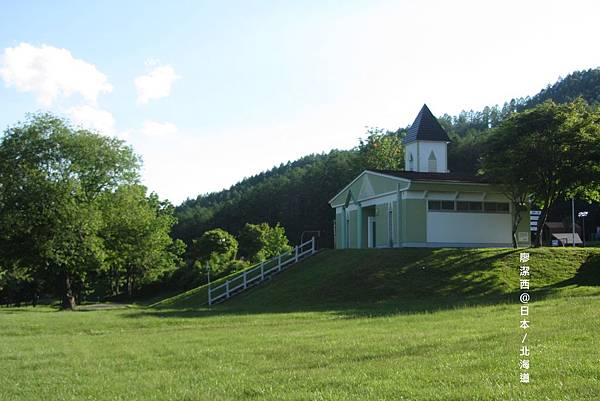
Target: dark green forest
[[295, 194]]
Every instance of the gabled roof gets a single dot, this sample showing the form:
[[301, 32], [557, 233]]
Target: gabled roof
[[419, 176], [406, 177], [426, 128]]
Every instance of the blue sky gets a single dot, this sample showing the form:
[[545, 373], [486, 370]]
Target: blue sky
[[211, 92]]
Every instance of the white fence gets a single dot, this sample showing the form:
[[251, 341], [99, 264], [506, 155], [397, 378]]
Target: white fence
[[260, 272]]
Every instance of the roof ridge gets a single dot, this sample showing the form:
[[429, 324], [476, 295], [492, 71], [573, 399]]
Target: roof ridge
[[426, 176], [426, 128]]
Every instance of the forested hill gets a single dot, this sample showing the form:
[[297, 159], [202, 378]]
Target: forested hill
[[296, 193], [579, 83]]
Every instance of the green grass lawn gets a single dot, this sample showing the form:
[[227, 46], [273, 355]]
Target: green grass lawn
[[346, 325]]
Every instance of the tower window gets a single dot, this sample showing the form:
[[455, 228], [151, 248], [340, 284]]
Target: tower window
[[411, 164], [432, 167]]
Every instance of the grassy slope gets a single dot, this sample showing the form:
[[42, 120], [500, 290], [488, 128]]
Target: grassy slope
[[339, 337], [408, 276]]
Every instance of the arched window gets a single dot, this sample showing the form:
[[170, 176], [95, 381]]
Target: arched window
[[411, 166], [432, 163]]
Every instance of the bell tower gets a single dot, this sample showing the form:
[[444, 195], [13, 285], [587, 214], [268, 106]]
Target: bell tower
[[426, 145]]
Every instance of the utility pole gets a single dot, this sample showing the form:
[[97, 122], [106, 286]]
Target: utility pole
[[208, 278], [583, 215], [573, 217], [318, 232]]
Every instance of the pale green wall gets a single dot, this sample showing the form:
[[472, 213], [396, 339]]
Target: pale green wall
[[384, 184], [397, 227], [414, 224], [382, 237], [352, 229]]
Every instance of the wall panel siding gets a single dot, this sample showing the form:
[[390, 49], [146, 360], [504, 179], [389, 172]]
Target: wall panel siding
[[469, 228], [395, 227], [381, 222], [352, 226], [415, 216]]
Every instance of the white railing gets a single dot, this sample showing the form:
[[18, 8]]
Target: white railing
[[251, 277]]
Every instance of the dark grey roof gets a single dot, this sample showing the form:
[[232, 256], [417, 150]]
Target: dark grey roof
[[418, 176], [426, 128]]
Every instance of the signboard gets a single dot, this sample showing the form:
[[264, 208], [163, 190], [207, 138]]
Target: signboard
[[533, 228], [535, 212], [523, 236], [535, 217]]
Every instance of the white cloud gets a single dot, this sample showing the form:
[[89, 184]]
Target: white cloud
[[158, 130], [51, 72], [151, 62], [156, 84], [93, 118]]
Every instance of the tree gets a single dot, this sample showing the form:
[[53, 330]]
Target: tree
[[136, 236], [216, 246], [16, 285], [252, 240], [260, 241], [382, 150], [51, 179], [549, 153], [275, 242]]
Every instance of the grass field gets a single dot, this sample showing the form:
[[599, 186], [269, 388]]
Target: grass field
[[344, 325]]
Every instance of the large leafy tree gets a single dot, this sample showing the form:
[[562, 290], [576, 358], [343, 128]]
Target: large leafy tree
[[261, 241], [136, 236], [547, 153], [216, 246], [382, 150], [51, 178]]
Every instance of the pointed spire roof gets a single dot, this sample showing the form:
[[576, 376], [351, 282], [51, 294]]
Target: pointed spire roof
[[426, 128]]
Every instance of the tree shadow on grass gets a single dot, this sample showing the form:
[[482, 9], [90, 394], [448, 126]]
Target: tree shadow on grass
[[388, 308], [587, 275], [419, 282]]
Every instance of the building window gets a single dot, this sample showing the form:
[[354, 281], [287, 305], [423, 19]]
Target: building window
[[448, 206], [432, 167], [475, 206], [442, 206], [468, 206], [496, 207], [435, 205], [411, 164], [503, 207], [489, 207], [462, 206]]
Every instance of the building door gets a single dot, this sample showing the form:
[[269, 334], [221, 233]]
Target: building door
[[372, 232]]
